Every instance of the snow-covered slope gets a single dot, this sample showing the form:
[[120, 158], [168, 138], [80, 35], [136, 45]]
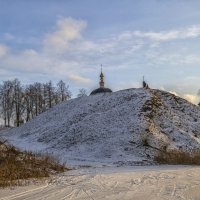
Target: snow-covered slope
[[127, 126]]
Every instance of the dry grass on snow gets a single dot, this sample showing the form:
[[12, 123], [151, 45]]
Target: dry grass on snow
[[16, 165], [179, 157]]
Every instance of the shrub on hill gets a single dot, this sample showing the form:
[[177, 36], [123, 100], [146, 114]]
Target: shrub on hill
[[16, 165], [179, 157]]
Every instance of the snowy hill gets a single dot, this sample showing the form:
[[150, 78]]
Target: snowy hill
[[127, 126]]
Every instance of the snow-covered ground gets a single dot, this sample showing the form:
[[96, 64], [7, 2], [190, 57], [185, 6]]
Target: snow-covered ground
[[136, 183], [123, 128]]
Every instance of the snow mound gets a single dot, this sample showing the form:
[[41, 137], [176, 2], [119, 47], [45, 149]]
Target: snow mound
[[127, 126]]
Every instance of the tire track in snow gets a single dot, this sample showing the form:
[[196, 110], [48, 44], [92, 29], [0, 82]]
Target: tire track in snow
[[14, 196], [154, 184]]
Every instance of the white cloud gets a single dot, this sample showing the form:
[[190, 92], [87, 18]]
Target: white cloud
[[30, 53], [9, 36], [159, 36], [78, 78], [188, 32], [67, 30], [189, 97], [195, 99], [3, 50], [173, 92], [192, 98]]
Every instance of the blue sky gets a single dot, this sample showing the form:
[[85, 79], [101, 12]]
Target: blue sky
[[43, 40]]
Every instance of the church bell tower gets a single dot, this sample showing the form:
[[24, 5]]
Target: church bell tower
[[101, 83], [102, 88]]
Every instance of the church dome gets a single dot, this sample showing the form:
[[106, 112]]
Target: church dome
[[101, 89]]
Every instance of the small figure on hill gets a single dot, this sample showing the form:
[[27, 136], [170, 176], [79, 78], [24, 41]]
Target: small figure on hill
[[145, 85]]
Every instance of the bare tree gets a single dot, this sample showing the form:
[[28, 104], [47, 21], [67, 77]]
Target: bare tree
[[6, 99], [38, 98], [82, 92], [18, 100], [63, 91], [34, 100], [50, 94], [28, 103]]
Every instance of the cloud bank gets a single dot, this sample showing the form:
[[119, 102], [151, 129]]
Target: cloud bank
[[65, 53]]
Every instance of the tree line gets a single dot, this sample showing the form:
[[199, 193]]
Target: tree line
[[20, 103]]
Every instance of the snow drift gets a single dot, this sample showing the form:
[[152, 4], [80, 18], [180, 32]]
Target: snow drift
[[124, 127]]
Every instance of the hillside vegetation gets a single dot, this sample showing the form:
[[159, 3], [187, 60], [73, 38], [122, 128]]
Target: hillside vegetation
[[17, 166]]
